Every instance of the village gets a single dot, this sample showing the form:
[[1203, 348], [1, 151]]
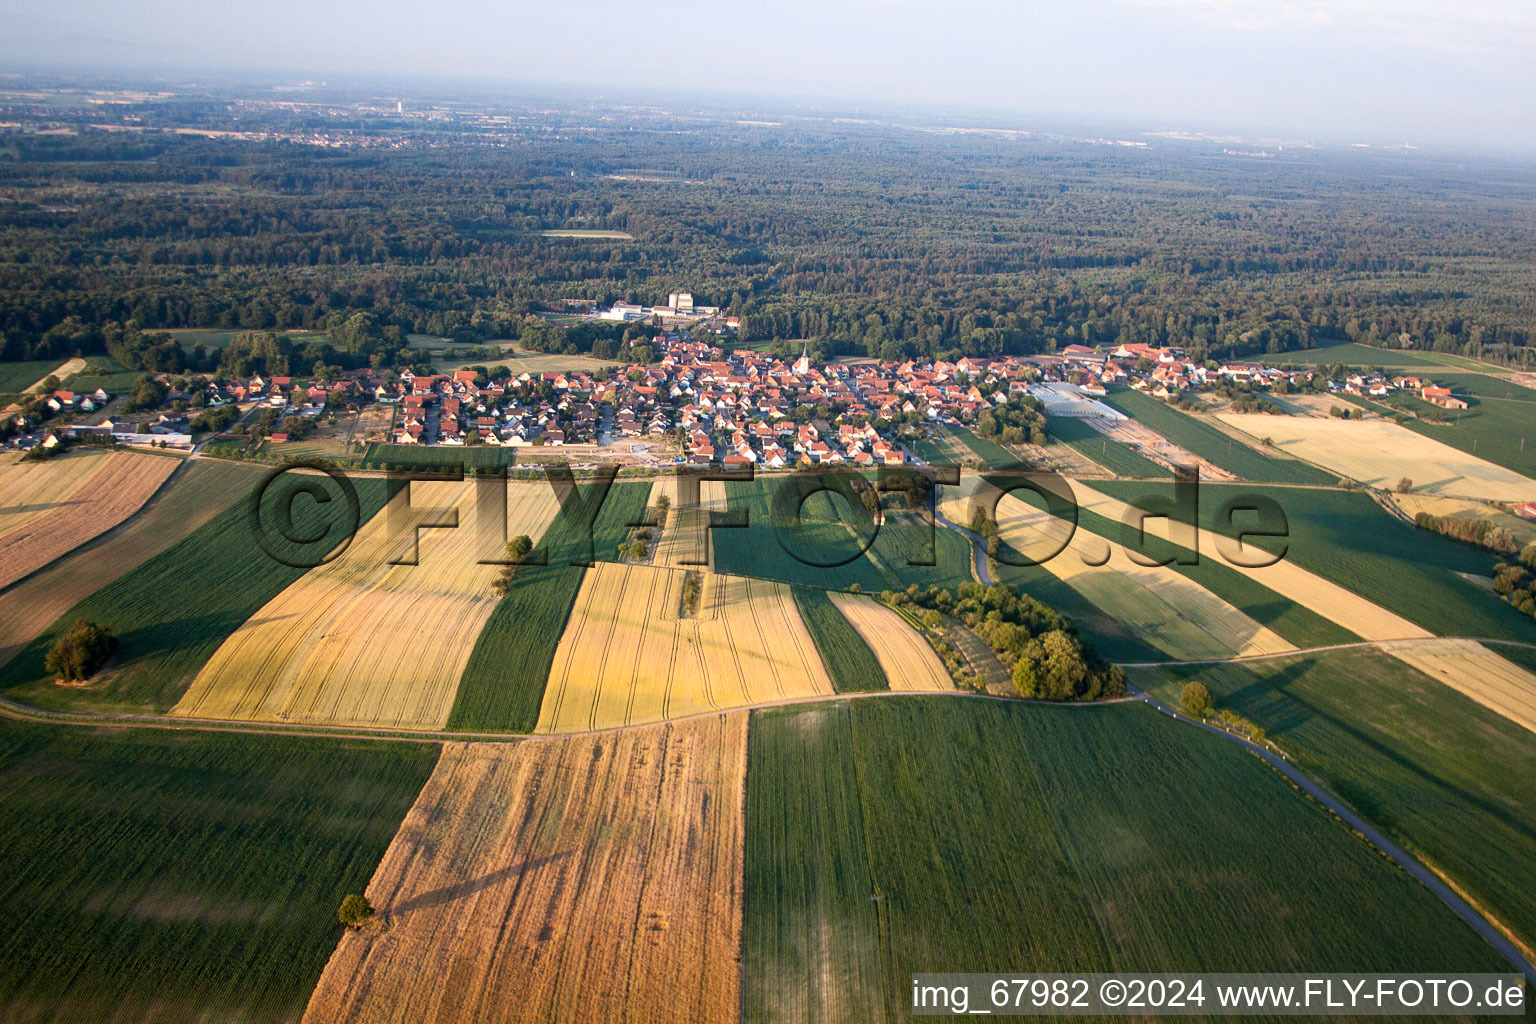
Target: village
[[703, 402], [737, 407]]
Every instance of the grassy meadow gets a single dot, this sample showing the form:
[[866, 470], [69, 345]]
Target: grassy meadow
[[153, 876], [1131, 842], [1441, 774]]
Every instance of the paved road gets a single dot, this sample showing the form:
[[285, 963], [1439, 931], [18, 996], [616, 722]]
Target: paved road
[[1432, 881]]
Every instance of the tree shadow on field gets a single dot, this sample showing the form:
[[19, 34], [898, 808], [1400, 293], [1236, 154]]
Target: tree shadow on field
[[43, 507], [459, 890]]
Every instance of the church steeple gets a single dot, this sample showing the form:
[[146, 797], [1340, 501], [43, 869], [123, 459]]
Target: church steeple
[[803, 364]]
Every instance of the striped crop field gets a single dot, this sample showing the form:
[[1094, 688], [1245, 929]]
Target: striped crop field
[[559, 879], [631, 653], [906, 659], [55, 506], [362, 641]]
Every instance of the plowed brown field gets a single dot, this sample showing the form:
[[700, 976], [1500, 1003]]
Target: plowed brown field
[[574, 879], [52, 507]]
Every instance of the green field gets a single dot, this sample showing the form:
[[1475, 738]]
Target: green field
[[1130, 842], [171, 613], [810, 931], [15, 378], [928, 451], [1371, 356], [426, 457], [159, 876], [1499, 423], [799, 552], [1200, 438], [106, 373], [1351, 354], [1115, 456], [1301, 626], [1347, 538], [851, 664], [503, 682], [1440, 773], [990, 452]]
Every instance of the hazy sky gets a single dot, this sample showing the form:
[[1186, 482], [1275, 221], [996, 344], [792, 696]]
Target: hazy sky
[[1418, 70]]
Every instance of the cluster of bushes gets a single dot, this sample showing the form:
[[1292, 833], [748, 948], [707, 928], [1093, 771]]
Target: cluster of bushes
[[1514, 584], [216, 419], [1342, 413], [517, 550], [1019, 420], [1041, 647], [1474, 531], [693, 589], [1197, 700]]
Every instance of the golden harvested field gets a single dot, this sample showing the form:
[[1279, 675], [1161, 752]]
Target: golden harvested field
[[572, 879], [907, 660], [55, 506], [1164, 607], [1469, 667], [1365, 619], [359, 641], [1524, 530], [200, 491], [628, 656], [686, 540], [1380, 453]]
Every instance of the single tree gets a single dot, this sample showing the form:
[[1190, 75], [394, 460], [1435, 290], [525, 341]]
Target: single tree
[[355, 910], [82, 650], [1404, 485], [1196, 698]]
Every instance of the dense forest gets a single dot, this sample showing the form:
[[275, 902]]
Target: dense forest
[[865, 239]]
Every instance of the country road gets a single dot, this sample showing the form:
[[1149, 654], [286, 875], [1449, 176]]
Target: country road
[[1431, 881], [979, 547]]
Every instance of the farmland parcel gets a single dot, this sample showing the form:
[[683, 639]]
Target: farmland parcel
[[54, 506], [1381, 453], [362, 641], [155, 876], [907, 660], [591, 879], [1445, 777], [201, 490], [1131, 841], [633, 653], [173, 611], [1178, 617]]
